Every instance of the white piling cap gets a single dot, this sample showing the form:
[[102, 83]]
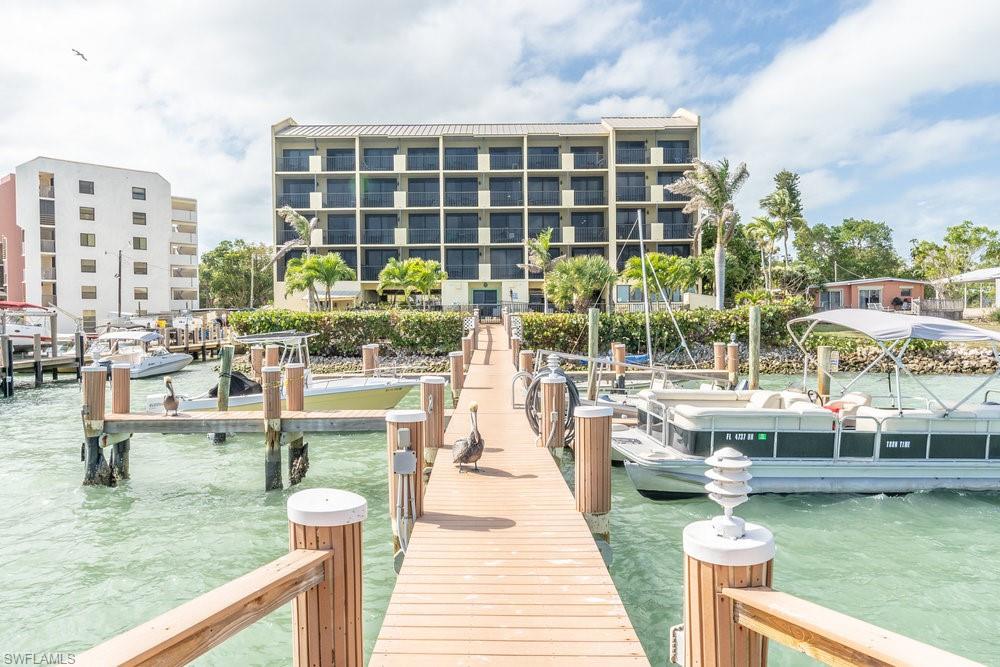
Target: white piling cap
[[294, 365], [553, 379], [592, 411], [369, 345], [121, 364], [456, 354], [271, 369], [432, 379], [405, 416], [326, 507]]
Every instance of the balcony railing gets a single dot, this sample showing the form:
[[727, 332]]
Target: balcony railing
[[47, 191], [48, 245], [48, 274], [286, 235], [461, 198], [423, 236], [543, 197], [300, 163], [676, 155], [670, 196], [463, 235], [506, 198], [461, 162], [632, 193], [589, 161], [462, 271], [506, 235], [421, 162], [339, 237], [370, 272], [632, 156], [630, 230], [338, 200], [47, 218], [340, 163], [377, 163], [589, 197], [543, 161], [678, 230], [422, 199], [294, 199], [378, 199], [384, 236], [502, 271], [591, 234], [556, 233], [506, 161]]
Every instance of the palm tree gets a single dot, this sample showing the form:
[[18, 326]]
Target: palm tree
[[429, 274], [710, 189], [669, 271], [400, 275], [575, 281], [323, 270], [540, 259], [785, 205], [303, 229], [765, 232]]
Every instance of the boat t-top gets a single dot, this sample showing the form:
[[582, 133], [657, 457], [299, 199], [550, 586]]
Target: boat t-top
[[21, 321], [353, 393], [800, 442], [141, 350]]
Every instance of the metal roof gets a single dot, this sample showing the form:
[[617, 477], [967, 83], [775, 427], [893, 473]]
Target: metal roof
[[647, 122]]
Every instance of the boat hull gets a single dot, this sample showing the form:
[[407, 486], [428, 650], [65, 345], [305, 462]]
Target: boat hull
[[368, 398], [177, 361]]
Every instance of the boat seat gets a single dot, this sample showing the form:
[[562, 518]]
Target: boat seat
[[804, 416], [761, 398], [788, 398], [910, 421], [672, 395], [849, 403]]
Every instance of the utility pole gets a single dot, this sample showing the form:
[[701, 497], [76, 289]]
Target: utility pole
[[252, 270], [834, 270]]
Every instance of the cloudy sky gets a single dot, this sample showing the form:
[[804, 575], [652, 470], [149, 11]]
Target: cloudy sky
[[889, 109]]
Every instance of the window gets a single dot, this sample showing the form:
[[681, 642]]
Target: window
[[139, 243], [138, 218], [141, 293], [89, 320], [906, 292], [139, 193], [88, 291], [86, 212], [88, 240], [140, 268], [86, 187], [88, 266]]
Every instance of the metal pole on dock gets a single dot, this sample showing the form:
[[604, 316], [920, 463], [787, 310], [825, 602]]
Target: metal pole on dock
[[271, 385], [456, 360], [256, 361], [96, 469], [515, 350], [225, 379], [592, 471], [753, 352], [327, 623], [432, 402], [552, 432], [412, 422], [526, 363], [369, 358], [593, 341], [824, 356], [298, 454], [121, 403], [467, 351]]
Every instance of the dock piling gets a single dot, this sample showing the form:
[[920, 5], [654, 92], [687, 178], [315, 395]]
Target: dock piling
[[467, 351], [298, 452], [526, 363], [824, 357], [515, 350], [97, 472], [552, 432], [593, 342], [272, 355], [592, 471], [327, 623], [618, 353], [753, 352], [78, 352], [456, 360], [225, 380], [733, 362], [36, 355], [432, 402], [719, 356], [413, 423], [7, 352], [272, 426], [121, 403], [369, 358], [256, 361]]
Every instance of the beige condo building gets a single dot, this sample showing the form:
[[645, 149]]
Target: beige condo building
[[468, 195]]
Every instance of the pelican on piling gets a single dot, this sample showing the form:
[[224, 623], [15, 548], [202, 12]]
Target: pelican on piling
[[170, 401], [470, 449]]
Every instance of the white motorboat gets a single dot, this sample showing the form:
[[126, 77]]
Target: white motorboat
[[354, 393], [21, 321], [799, 444], [140, 351]]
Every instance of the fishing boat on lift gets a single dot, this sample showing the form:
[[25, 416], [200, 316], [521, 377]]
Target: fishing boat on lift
[[354, 393], [140, 350], [799, 443]]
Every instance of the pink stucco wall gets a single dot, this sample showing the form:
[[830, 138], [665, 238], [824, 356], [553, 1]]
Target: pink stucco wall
[[890, 290], [12, 233]]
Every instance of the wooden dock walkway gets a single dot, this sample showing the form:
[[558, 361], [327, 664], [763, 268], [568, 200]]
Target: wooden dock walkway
[[502, 569]]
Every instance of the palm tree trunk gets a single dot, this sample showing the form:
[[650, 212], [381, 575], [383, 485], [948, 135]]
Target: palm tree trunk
[[786, 247], [720, 274]]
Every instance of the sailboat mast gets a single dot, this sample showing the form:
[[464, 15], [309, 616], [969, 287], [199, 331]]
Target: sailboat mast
[[645, 288]]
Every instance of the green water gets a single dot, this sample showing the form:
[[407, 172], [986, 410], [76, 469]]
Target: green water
[[82, 564]]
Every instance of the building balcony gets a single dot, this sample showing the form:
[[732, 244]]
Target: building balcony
[[183, 273], [422, 162], [670, 196], [47, 219], [178, 259], [464, 235], [543, 161], [339, 237], [47, 191], [589, 161], [370, 272], [461, 162], [293, 164], [628, 231], [632, 193], [506, 162], [422, 199], [506, 271], [338, 200], [590, 234], [181, 215], [340, 163], [48, 274], [678, 230], [677, 156], [632, 156], [48, 245], [543, 198], [462, 271], [589, 198], [294, 199], [556, 237], [506, 198], [377, 163], [378, 199], [506, 235], [462, 198], [423, 236], [181, 237], [380, 236]]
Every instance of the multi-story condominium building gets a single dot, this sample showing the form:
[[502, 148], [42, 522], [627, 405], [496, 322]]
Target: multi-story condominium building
[[469, 195], [69, 229]]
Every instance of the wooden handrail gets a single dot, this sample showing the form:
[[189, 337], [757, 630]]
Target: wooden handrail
[[827, 635], [186, 632]]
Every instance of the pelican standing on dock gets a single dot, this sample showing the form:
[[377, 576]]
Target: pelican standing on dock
[[470, 449], [170, 401]]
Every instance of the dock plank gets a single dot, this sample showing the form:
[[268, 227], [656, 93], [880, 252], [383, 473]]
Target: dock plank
[[502, 569]]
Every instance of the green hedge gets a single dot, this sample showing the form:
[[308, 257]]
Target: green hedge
[[342, 333], [568, 331]]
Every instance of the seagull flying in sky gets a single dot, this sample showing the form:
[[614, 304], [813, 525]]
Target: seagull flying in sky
[[75, 52]]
